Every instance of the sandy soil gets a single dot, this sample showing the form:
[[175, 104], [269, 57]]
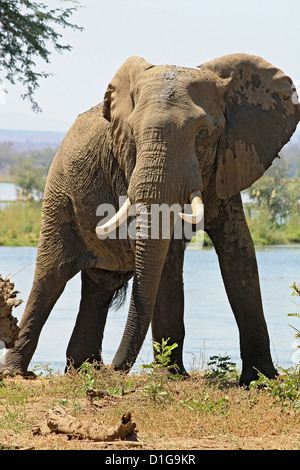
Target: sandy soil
[[34, 433]]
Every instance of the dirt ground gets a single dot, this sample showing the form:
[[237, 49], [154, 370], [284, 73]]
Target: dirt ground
[[59, 442], [51, 441], [23, 424]]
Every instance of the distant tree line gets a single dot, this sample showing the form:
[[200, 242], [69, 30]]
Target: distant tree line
[[273, 203], [28, 169], [278, 192]]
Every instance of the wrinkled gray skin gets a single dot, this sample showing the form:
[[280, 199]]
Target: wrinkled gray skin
[[161, 133]]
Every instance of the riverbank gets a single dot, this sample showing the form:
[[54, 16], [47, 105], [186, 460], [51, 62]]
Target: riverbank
[[20, 223], [6, 179], [20, 226]]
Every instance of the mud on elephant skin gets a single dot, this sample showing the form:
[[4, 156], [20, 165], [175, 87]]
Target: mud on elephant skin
[[163, 135]]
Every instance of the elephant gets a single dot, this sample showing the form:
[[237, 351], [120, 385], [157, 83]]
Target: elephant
[[162, 135]]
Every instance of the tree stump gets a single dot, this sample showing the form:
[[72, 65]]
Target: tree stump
[[9, 331]]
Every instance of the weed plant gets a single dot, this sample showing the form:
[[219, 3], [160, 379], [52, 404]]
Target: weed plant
[[161, 372]]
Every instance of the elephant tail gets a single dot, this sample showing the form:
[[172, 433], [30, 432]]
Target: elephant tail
[[119, 297]]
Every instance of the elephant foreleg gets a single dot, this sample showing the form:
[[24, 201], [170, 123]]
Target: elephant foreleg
[[234, 246], [167, 321], [56, 264]]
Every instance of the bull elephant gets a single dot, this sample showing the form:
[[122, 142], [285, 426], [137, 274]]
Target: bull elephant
[[163, 135]]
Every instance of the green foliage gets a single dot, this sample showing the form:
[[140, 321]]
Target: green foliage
[[285, 389], [20, 223], [157, 387], [276, 191], [221, 369], [264, 232], [296, 291], [163, 356], [87, 372], [207, 405], [13, 419], [27, 169], [45, 370], [27, 31], [13, 164], [164, 352], [273, 212], [30, 178]]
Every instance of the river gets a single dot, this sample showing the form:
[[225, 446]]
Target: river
[[210, 325], [8, 192]]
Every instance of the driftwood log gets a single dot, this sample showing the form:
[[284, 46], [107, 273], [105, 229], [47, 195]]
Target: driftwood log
[[9, 330], [60, 421]]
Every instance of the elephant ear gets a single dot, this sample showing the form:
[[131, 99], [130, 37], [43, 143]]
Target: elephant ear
[[118, 105], [262, 112]]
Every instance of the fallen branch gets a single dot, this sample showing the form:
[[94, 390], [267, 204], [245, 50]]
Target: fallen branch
[[92, 393], [9, 331], [59, 421]]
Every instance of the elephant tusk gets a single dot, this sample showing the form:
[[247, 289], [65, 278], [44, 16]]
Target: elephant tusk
[[116, 220], [197, 209]]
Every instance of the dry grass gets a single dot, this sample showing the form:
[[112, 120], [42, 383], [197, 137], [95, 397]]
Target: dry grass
[[197, 413]]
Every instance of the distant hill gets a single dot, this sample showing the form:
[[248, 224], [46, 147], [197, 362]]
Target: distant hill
[[34, 140], [31, 140], [291, 151]]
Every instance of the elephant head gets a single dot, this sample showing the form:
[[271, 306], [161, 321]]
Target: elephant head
[[171, 127]]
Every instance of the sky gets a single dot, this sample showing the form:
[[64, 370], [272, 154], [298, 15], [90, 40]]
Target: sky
[[178, 32]]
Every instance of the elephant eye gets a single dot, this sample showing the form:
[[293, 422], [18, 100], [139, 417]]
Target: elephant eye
[[203, 137], [202, 133]]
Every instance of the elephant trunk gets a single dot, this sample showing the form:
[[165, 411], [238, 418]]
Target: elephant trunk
[[150, 258], [158, 178], [166, 171]]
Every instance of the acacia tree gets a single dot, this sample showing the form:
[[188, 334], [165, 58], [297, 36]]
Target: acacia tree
[[30, 172], [30, 178], [277, 192], [27, 33]]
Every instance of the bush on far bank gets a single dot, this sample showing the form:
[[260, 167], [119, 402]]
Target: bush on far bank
[[20, 223]]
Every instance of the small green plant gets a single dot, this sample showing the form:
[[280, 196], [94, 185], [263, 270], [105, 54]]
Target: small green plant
[[285, 389], [296, 291], [44, 370], [205, 405], [163, 357], [87, 373], [13, 419], [221, 369], [160, 372], [116, 388]]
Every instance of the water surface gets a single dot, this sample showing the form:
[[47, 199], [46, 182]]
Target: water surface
[[210, 325]]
